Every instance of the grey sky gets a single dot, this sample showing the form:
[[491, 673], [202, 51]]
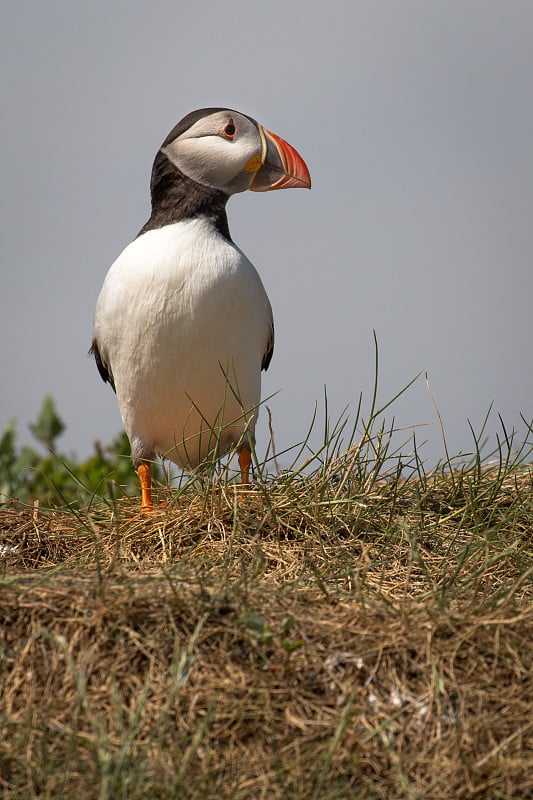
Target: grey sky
[[416, 121]]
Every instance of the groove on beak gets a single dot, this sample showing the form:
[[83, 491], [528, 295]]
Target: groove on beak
[[282, 168]]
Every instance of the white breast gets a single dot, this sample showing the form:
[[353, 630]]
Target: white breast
[[181, 309]]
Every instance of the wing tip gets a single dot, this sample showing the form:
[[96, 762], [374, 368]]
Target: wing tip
[[103, 369]]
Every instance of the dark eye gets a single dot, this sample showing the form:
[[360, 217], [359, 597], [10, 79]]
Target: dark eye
[[229, 130]]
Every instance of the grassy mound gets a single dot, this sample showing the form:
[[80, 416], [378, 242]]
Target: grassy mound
[[328, 635]]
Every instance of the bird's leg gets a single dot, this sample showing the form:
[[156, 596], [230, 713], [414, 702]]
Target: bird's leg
[[245, 459], [144, 471]]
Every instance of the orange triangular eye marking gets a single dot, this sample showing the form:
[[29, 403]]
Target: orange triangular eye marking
[[229, 130]]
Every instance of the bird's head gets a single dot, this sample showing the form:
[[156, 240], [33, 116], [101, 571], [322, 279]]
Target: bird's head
[[231, 152]]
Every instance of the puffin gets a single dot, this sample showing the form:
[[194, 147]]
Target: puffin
[[183, 326]]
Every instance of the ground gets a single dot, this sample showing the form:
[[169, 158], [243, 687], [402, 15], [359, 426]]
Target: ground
[[332, 635]]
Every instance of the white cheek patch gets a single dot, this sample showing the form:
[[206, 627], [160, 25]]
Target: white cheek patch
[[208, 160]]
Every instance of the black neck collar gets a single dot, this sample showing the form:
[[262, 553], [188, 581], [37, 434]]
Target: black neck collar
[[175, 197]]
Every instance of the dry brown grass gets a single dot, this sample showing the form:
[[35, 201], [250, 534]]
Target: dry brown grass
[[315, 639]]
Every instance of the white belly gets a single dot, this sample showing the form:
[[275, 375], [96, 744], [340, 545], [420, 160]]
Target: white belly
[[183, 322]]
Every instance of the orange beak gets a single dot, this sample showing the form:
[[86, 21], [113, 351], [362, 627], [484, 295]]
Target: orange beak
[[282, 166]]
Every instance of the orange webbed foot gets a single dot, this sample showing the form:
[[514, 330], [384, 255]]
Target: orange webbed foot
[[144, 471]]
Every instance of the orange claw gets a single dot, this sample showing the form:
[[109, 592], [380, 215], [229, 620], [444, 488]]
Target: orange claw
[[144, 471], [245, 459]]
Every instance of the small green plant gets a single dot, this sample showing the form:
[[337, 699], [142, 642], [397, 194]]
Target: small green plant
[[28, 474], [269, 638]]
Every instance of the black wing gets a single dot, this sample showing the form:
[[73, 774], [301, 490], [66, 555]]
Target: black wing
[[103, 369], [267, 355]]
